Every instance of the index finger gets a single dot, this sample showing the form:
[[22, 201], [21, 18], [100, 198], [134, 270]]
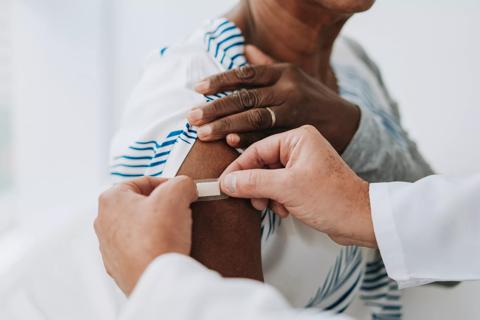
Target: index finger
[[243, 77], [271, 152], [142, 186], [181, 190]]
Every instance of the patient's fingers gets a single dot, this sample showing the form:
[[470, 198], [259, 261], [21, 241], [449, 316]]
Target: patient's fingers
[[243, 77], [253, 120], [239, 101], [245, 140]]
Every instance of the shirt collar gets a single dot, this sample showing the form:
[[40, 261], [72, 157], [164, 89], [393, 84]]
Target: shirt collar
[[225, 43]]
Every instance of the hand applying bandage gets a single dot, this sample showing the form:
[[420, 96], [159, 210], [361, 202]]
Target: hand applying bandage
[[140, 220], [300, 174]]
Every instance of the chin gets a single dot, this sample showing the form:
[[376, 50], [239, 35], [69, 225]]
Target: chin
[[346, 6]]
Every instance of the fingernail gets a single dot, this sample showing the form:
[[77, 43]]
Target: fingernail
[[204, 131], [230, 183], [202, 86], [195, 114], [233, 139]]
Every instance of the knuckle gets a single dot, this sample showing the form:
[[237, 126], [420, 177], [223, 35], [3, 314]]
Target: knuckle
[[253, 180], [245, 73], [264, 72], [288, 89], [308, 130], [96, 226], [184, 181], [265, 97], [223, 125], [216, 81], [103, 197], [257, 118], [247, 98], [216, 107], [292, 69], [293, 73], [288, 179], [181, 184]]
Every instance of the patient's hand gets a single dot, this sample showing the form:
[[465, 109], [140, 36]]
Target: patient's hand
[[272, 98]]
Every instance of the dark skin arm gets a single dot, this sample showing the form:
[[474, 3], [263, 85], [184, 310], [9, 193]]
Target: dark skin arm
[[226, 233]]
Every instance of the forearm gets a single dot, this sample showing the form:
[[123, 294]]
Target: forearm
[[381, 151]]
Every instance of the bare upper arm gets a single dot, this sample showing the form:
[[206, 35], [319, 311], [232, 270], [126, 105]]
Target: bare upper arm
[[226, 233]]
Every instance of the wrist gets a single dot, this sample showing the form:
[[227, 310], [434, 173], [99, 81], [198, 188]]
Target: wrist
[[366, 234], [356, 227], [341, 125]]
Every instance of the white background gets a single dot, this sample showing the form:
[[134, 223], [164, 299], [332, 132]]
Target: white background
[[76, 61]]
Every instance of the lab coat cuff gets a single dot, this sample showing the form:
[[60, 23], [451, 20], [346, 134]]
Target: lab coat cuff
[[166, 268], [388, 239], [164, 272]]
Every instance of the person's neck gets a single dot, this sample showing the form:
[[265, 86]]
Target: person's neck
[[294, 31]]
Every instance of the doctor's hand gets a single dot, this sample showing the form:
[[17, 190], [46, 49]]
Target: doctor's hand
[[299, 173], [141, 220], [268, 98]]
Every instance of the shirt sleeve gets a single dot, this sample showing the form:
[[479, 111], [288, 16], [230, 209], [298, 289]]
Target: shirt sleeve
[[381, 150], [177, 287], [429, 230], [154, 137]]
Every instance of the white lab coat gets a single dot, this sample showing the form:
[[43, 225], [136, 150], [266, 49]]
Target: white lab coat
[[426, 231], [176, 287]]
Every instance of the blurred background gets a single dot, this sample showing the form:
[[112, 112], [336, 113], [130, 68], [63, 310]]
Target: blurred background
[[67, 68]]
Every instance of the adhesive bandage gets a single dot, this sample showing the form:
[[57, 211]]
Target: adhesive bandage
[[209, 190]]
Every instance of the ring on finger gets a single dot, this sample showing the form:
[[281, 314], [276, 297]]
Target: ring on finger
[[272, 115]]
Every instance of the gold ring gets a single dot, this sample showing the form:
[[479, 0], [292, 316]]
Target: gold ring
[[272, 114]]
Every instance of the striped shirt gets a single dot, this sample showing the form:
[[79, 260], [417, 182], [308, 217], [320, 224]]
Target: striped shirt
[[306, 266]]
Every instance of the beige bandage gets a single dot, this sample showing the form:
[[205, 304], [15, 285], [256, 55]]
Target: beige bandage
[[209, 190]]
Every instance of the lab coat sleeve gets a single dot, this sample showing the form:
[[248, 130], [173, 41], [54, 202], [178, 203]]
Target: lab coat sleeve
[[176, 287], [428, 230]]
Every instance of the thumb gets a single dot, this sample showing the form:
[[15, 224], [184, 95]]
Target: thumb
[[181, 190], [256, 56], [255, 184]]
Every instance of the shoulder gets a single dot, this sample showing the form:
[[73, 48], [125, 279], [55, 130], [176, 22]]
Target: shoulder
[[348, 51], [155, 112], [216, 45], [355, 68], [178, 63]]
